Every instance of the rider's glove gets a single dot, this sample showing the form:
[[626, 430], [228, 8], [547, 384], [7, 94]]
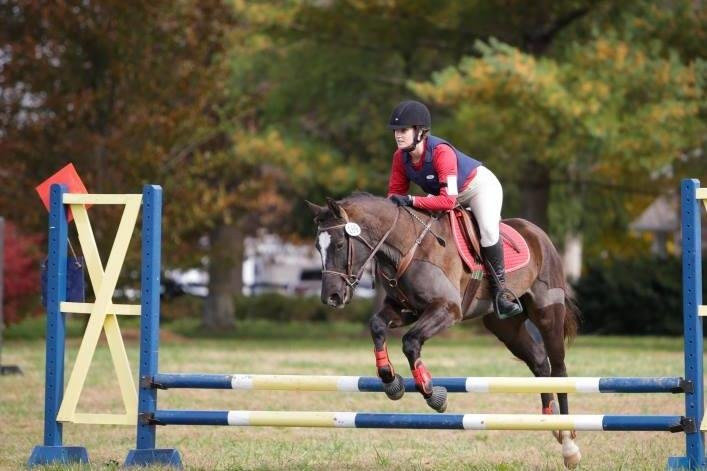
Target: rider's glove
[[401, 200]]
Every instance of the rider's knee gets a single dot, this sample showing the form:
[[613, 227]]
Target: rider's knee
[[489, 234]]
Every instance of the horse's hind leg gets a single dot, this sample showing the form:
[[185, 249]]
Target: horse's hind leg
[[517, 337], [549, 318], [549, 321], [437, 316]]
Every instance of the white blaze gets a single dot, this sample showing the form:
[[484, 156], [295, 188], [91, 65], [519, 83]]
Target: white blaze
[[324, 242]]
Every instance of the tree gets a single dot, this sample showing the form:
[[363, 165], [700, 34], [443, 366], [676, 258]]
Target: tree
[[20, 275], [607, 111], [123, 91]]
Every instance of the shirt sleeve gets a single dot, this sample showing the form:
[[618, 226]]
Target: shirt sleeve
[[444, 162], [398, 183]]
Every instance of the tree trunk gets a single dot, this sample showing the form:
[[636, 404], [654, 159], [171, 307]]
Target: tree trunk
[[225, 276], [572, 256], [535, 190]]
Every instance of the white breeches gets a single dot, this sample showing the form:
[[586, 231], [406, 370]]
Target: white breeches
[[484, 197]]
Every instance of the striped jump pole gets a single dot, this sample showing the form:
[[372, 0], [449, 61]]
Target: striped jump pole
[[242, 418], [452, 384]]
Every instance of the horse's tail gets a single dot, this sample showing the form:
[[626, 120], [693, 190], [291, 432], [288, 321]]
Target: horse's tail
[[573, 317]]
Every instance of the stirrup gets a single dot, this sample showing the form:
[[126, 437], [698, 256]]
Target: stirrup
[[517, 306]]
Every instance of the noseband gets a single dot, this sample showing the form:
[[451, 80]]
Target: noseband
[[353, 230]]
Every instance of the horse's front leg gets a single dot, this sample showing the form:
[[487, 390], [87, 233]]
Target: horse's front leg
[[439, 315], [390, 315]]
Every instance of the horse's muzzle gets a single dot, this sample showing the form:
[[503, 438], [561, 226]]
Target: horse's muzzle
[[335, 301]]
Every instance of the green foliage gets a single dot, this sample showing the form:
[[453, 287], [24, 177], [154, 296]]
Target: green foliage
[[605, 110], [277, 307], [34, 328], [635, 296], [284, 334]]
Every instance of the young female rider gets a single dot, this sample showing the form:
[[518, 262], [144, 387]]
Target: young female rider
[[449, 177]]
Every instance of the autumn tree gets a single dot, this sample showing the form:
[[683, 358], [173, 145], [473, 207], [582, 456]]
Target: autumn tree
[[124, 91], [604, 113]]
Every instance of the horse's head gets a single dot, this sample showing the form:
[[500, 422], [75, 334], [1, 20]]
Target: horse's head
[[346, 246]]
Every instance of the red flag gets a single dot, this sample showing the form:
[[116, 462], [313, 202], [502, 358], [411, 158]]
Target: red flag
[[67, 176]]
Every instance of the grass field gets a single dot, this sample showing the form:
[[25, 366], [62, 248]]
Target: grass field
[[324, 349]]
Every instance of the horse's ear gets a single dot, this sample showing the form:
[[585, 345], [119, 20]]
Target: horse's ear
[[316, 209], [334, 207]]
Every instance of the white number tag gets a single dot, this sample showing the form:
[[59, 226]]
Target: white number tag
[[352, 229]]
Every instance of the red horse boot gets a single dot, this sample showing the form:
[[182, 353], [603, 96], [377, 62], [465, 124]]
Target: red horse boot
[[436, 396], [393, 384]]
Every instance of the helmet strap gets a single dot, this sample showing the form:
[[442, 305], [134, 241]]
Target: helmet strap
[[420, 134]]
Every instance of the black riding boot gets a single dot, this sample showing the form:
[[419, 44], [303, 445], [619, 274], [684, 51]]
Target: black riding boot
[[504, 304]]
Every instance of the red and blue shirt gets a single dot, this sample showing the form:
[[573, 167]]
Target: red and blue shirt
[[432, 173]]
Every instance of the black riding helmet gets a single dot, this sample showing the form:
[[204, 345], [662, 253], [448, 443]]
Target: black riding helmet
[[409, 114]]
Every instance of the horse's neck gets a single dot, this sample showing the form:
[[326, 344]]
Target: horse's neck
[[399, 241]]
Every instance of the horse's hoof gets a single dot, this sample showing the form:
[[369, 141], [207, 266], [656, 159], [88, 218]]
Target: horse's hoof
[[571, 461], [570, 451], [438, 399], [395, 389]]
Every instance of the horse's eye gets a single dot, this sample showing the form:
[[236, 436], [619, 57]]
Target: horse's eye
[[339, 245]]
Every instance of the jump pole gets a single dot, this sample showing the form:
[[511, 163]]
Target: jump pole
[[496, 384]]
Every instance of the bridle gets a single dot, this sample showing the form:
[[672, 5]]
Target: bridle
[[353, 231]]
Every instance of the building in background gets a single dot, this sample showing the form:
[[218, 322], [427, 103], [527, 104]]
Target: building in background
[[662, 220], [270, 264]]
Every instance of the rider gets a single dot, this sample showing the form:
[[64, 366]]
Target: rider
[[449, 177]]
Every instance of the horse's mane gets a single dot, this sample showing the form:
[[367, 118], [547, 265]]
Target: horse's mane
[[364, 206], [361, 196]]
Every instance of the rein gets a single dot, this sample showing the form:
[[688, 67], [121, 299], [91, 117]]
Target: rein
[[407, 259]]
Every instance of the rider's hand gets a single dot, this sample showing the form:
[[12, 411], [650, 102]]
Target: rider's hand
[[401, 200]]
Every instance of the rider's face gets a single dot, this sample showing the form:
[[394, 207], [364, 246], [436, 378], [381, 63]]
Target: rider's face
[[404, 137]]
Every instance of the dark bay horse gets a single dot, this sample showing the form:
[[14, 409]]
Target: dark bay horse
[[427, 292]]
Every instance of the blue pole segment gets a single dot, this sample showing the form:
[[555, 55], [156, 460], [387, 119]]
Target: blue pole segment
[[640, 385], [150, 318], [53, 451], [192, 417], [641, 422], [692, 299], [192, 380], [453, 385], [145, 452], [56, 321], [409, 421]]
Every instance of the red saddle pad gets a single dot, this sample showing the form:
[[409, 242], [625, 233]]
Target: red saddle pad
[[515, 249]]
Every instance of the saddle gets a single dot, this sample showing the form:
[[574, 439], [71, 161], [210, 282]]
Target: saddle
[[467, 238], [516, 253]]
